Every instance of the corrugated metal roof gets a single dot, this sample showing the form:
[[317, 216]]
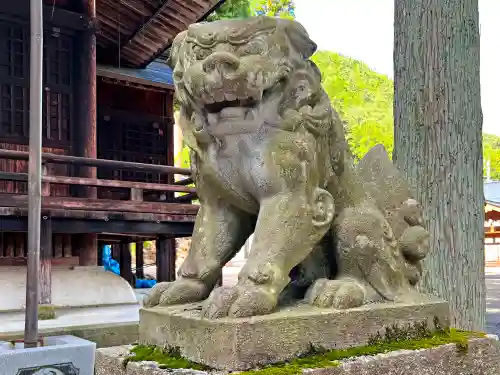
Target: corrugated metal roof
[[156, 73], [492, 192], [140, 30]]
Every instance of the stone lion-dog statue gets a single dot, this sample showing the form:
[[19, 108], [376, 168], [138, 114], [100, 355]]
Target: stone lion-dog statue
[[269, 156]]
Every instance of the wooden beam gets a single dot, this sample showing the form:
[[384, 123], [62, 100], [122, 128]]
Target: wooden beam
[[139, 260], [54, 16], [65, 203], [113, 74], [121, 227], [113, 219], [185, 181], [90, 162], [186, 198], [64, 180], [144, 26], [492, 215], [45, 278], [492, 234]]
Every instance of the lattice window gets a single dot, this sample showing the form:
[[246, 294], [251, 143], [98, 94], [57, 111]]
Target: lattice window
[[58, 86], [14, 83], [131, 137]]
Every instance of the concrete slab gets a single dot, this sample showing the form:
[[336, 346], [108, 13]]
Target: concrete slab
[[106, 326], [71, 287], [244, 343]]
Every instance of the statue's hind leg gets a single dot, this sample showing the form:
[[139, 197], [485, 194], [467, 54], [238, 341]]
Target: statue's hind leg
[[288, 227]]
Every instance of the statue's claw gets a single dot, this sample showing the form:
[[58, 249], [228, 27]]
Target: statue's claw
[[177, 292], [239, 301], [339, 294]]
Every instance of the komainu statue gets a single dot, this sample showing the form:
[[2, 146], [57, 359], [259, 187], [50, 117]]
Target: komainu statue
[[269, 157]]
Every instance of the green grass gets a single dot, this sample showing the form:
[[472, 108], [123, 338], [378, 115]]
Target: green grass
[[46, 312], [395, 338]]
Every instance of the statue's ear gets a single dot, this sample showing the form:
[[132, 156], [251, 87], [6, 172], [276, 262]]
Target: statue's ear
[[176, 49], [299, 38]]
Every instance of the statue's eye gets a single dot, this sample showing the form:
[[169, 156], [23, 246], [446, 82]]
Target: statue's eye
[[201, 53], [255, 47], [178, 74]]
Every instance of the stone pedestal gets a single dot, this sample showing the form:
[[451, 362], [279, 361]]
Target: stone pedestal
[[244, 343], [66, 355]]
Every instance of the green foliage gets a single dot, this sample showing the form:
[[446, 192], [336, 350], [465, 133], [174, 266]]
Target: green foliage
[[231, 9], [182, 158], [273, 8], [362, 98], [245, 8], [491, 152]]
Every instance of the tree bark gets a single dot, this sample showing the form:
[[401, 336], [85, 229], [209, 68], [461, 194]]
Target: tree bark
[[438, 143]]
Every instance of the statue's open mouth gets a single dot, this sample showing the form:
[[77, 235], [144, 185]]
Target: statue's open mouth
[[217, 107], [241, 108]]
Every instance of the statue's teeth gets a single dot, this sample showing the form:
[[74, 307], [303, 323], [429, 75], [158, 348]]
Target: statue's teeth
[[213, 119], [250, 115], [218, 96], [230, 96]]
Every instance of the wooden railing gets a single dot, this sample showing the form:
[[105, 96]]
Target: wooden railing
[[134, 205]]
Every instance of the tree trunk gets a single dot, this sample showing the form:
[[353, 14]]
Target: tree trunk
[[438, 143]]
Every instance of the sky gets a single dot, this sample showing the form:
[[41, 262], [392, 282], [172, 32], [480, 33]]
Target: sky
[[363, 30]]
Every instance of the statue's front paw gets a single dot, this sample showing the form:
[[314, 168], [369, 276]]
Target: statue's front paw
[[337, 294], [176, 293], [239, 301]]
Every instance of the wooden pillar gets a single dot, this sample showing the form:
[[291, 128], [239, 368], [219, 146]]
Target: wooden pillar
[[45, 273], [88, 92], [86, 134], [86, 245], [126, 263], [170, 133], [100, 251], [139, 260], [115, 252], [165, 259]]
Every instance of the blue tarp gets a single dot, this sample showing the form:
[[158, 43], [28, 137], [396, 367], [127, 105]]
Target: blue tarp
[[112, 265]]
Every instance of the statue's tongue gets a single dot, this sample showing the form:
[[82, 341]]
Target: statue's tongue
[[233, 112]]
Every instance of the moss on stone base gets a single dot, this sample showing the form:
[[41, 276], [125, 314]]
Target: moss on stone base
[[166, 358], [46, 312], [395, 338], [332, 358]]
